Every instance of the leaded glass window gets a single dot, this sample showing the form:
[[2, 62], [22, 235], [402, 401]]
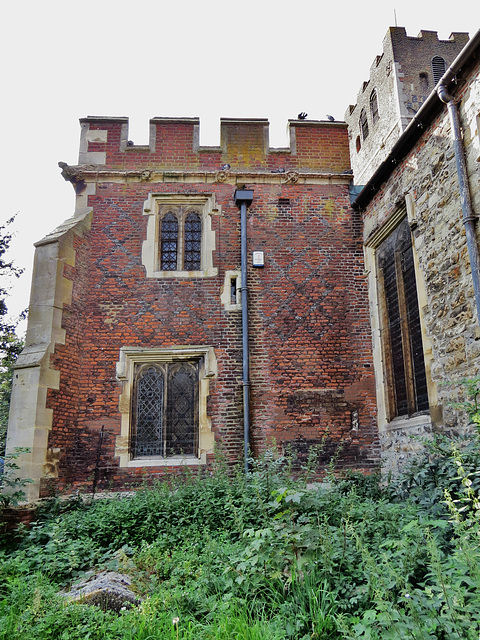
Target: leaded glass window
[[169, 242], [180, 239], [165, 410], [148, 411], [181, 409], [193, 242]]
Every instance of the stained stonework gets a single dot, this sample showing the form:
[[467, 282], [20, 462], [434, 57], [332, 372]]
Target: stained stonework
[[34, 374]]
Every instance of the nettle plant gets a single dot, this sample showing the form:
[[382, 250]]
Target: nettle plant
[[11, 486], [471, 405], [449, 463]]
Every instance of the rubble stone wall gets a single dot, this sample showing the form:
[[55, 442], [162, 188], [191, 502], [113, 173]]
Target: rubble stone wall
[[426, 181]]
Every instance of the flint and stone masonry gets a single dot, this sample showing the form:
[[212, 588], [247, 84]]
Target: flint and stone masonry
[[400, 80], [423, 186]]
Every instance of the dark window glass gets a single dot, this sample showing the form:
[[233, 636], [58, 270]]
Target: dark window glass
[[415, 332], [423, 84], [395, 333], [193, 242], [148, 412], [438, 67], [169, 242], [181, 409], [374, 106], [233, 290], [404, 362], [364, 124], [165, 410]]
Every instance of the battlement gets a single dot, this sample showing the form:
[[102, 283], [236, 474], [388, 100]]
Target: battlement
[[409, 51], [314, 145], [459, 37], [399, 83]]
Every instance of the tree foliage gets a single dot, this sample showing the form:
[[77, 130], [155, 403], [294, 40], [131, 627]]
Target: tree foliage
[[10, 343]]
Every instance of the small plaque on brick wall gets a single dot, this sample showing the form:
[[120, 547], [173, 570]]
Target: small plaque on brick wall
[[258, 259]]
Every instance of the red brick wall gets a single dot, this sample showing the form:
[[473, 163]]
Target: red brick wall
[[310, 344], [315, 146], [12, 517]]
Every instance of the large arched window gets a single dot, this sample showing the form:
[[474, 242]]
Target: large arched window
[[165, 410], [374, 106], [438, 67], [363, 122]]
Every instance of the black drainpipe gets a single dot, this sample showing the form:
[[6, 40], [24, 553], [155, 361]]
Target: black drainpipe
[[243, 199], [465, 198]]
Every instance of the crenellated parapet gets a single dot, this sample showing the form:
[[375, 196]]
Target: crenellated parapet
[[316, 146], [400, 81]]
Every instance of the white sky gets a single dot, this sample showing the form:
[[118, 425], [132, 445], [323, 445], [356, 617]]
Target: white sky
[[64, 60]]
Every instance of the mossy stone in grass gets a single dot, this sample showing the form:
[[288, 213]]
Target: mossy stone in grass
[[108, 590]]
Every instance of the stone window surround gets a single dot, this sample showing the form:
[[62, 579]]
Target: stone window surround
[[226, 295], [205, 203], [407, 208], [129, 357]]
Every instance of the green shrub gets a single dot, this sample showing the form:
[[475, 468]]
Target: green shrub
[[262, 555]]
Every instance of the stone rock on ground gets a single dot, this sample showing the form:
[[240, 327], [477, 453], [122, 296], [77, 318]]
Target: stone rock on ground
[[109, 590]]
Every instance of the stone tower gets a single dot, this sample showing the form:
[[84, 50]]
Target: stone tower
[[401, 78]]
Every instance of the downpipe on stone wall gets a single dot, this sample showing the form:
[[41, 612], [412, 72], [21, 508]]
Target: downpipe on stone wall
[[243, 199], [465, 198]]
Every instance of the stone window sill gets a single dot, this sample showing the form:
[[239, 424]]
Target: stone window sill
[[174, 461], [406, 422]]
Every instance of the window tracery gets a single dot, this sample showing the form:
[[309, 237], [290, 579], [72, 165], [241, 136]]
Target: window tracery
[[165, 410]]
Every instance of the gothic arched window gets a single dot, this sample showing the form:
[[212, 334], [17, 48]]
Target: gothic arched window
[[147, 436], [181, 240], [165, 410], [193, 242], [438, 67], [374, 106], [182, 422], [363, 124]]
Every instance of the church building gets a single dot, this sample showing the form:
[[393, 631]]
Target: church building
[[232, 298]]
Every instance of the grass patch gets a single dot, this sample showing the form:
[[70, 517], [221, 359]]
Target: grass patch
[[261, 556]]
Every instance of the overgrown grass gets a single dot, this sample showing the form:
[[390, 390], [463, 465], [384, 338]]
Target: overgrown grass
[[262, 556]]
